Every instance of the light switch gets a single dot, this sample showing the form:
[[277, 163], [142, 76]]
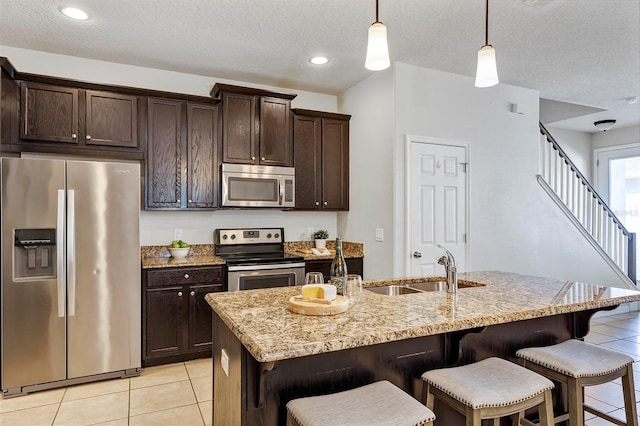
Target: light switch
[[177, 234], [224, 360], [379, 234]]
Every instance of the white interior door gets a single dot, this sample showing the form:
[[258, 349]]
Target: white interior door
[[437, 206]]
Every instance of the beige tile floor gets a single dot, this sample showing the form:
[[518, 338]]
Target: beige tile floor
[[180, 394], [169, 395]]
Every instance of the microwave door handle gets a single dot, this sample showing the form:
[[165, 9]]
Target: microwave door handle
[[281, 190]]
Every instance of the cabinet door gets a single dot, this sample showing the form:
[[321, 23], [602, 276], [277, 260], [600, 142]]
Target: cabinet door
[[164, 154], [202, 131], [111, 119], [276, 147], [307, 136], [49, 113], [200, 317], [354, 266], [240, 128], [164, 321], [335, 164]]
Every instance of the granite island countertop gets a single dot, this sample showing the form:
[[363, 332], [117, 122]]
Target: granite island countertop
[[270, 332]]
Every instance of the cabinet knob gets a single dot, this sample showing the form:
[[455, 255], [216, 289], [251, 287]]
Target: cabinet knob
[[74, 136], [186, 276], [325, 203], [88, 137], [189, 201], [179, 294], [317, 203], [178, 201], [193, 293], [263, 158], [253, 157]]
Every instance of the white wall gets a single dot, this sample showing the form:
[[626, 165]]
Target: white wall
[[615, 137], [371, 176], [156, 227], [514, 225], [577, 145]]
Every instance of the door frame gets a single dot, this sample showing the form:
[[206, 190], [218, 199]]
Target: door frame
[[603, 187], [409, 139]]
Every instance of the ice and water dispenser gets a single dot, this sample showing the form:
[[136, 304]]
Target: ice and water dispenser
[[34, 254]]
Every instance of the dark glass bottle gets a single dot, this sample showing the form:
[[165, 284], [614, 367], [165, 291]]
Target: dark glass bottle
[[338, 271]]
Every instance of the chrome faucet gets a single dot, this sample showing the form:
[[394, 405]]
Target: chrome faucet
[[449, 263]]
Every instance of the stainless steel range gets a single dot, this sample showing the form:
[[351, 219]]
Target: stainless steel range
[[255, 258]]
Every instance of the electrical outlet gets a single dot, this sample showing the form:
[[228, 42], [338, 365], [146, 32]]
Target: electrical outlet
[[379, 234], [224, 360], [310, 232], [177, 234]]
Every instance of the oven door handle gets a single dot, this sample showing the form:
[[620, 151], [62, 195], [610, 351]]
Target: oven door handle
[[264, 267]]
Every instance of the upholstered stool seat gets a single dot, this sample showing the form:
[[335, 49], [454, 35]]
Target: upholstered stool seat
[[580, 364], [380, 403], [490, 389]]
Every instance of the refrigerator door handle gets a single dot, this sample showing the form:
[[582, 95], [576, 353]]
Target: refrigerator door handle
[[71, 251], [60, 274]]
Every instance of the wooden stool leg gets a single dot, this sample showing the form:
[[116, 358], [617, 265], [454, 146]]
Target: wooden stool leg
[[516, 419], [496, 421], [628, 389], [473, 417], [576, 402], [430, 400], [545, 410]]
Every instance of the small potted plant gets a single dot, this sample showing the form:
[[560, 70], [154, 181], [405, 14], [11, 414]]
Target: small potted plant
[[320, 236]]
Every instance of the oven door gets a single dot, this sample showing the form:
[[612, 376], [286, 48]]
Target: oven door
[[249, 277]]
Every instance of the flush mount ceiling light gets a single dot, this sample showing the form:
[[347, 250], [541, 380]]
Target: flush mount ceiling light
[[319, 60], [377, 48], [604, 125], [487, 72], [75, 13]]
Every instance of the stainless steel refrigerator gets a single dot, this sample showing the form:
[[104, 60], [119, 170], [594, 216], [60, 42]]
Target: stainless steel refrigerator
[[70, 289]]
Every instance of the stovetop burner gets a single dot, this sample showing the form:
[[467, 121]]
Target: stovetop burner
[[252, 246]]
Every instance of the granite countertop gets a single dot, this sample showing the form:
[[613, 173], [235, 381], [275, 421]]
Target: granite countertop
[[261, 321], [203, 254], [159, 257]]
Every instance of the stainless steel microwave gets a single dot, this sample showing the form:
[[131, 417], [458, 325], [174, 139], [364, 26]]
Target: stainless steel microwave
[[257, 186]]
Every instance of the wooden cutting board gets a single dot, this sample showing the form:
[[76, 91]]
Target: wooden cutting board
[[332, 252], [300, 306]]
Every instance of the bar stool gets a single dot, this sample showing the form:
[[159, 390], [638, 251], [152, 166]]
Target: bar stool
[[580, 364], [379, 403], [490, 389]]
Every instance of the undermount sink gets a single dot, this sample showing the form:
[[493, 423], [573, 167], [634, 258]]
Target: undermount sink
[[420, 287], [393, 290]]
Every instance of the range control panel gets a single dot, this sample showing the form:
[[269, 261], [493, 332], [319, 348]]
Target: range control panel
[[248, 236]]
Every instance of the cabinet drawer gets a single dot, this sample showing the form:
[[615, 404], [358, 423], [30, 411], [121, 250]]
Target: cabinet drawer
[[164, 277]]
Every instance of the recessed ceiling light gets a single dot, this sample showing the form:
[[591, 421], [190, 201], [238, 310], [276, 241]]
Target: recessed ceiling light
[[319, 60], [75, 13]]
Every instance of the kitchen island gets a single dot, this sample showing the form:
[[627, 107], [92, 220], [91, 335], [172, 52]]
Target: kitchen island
[[264, 355]]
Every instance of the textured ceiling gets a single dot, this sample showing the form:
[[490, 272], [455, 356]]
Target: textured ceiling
[[584, 52]]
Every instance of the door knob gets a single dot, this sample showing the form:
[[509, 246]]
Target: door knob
[[417, 254]]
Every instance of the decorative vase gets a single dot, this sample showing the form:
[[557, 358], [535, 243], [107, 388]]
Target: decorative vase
[[320, 244]]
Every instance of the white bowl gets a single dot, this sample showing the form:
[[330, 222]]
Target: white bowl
[[179, 253]]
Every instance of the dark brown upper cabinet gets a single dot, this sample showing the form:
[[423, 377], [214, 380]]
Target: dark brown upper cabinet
[[61, 114], [256, 126], [181, 155], [321, 142]]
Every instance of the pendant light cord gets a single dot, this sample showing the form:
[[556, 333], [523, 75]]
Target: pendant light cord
[[486, 24], [377, 20]]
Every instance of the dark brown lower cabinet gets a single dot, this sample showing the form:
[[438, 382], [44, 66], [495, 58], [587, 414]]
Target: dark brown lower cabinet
[[354, 266], [176, 317]]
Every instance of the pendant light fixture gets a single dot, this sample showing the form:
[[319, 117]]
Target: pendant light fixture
[[487, 72], [377, 48]]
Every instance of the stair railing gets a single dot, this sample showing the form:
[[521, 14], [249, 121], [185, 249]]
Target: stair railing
[[589, 210]]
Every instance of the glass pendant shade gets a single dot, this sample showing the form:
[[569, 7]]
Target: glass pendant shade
[[487, 72], [377, 48]]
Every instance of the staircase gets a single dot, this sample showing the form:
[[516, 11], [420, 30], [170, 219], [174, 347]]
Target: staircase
[[581, 203]]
